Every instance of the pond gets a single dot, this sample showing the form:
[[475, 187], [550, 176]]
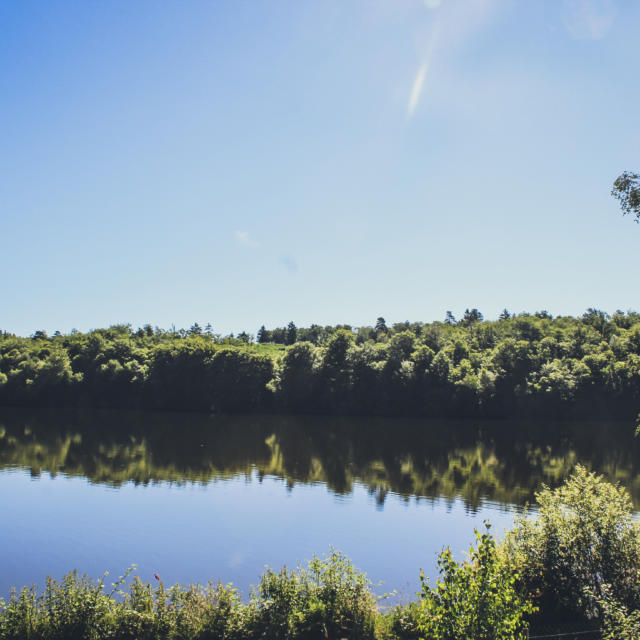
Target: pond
[[196, 497]]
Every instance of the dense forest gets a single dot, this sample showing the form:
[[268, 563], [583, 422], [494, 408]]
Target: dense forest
[[520, 364]]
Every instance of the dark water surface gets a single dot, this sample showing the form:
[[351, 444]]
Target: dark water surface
[[196, 497]]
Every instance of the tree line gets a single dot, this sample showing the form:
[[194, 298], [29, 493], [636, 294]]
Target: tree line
[[521, 364]]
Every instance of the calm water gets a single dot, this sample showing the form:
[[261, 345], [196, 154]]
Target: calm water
[[196, 497]]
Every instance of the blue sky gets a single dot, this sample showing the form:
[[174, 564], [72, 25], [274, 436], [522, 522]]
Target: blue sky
[[248, 163]]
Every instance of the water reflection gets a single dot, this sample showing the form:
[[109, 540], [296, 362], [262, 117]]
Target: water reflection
[[503, 463]]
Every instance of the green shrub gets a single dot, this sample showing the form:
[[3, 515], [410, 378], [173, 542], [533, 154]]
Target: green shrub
[[74, 609], [79, 609], [474, 599], [213, 612], [403, 622], [329, 599], [582, 539], [618, 622]]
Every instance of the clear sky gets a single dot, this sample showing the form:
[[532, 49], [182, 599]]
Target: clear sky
[[248, 163]]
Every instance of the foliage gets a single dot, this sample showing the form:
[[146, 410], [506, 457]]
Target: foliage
[[618, 622], [582, 545], [298, 375], [327, 599], [474, 599], [75, 608], [521, 364], [403, 622], [626, 189]]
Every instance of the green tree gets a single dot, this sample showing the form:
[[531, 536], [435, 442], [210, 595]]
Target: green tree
[[381, 327], [335, 356], [441, 367], [401, 345], [238, 378], [195, 329], [471, 317], [336, 370], [297, 376], [314, 333], [596, 319], [626, 189], [292, 333], [263, 335]]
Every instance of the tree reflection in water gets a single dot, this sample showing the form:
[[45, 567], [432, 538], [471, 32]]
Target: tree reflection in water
[[501, 462]]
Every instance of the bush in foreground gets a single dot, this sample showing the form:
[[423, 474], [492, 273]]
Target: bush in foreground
[[582, 546], [327, 599], [475, 599]]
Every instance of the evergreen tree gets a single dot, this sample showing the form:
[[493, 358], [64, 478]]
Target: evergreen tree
[[195, 329], [292, 333], [263, 335], [471, 317], [381, 326]]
